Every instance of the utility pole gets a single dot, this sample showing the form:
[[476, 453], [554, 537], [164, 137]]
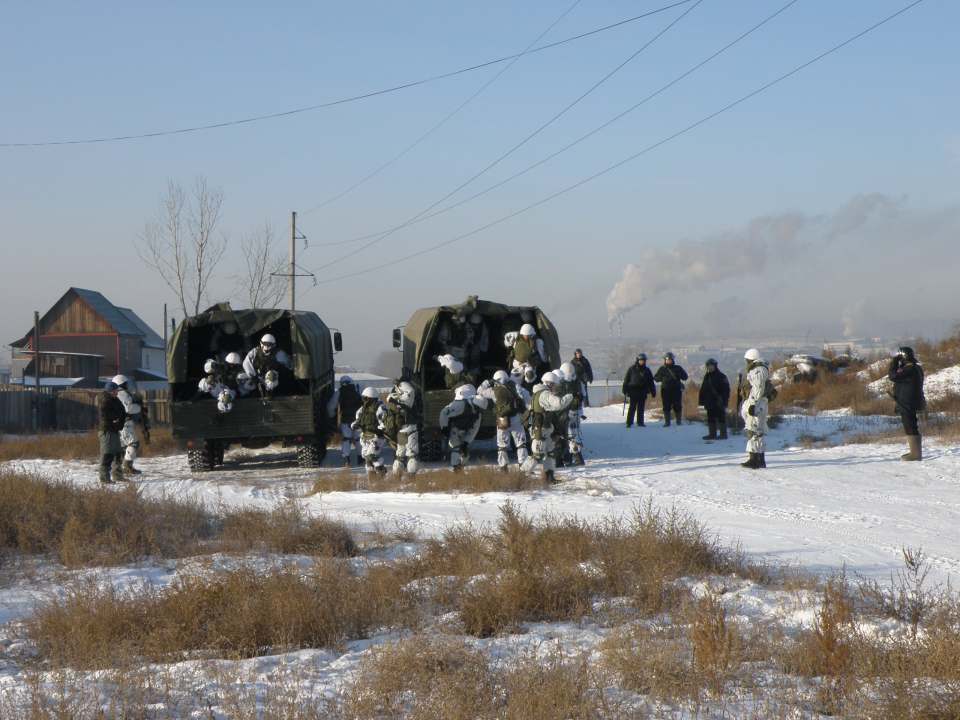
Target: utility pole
[[164, 327], [293, 261], [36, 371]]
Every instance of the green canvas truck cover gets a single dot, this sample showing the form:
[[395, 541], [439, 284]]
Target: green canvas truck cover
[[311, 347], [420, 328]]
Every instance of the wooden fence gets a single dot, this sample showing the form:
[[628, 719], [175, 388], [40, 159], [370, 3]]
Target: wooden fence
[[68, 409]]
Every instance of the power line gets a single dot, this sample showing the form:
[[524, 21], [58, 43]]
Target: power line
[[632, 157], [272, 116], [463, 105], [575, 142], [519, 145]]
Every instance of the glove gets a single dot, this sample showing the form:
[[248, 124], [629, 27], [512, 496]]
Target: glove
[[752, 411], [583, 417]]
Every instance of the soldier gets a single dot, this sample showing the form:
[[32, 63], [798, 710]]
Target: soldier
[[584, 374], [402, 414], [264, 362], [370, 424], [754, 410], [349, 401], [637, 384], [454, 376], [226, 381], [907, 377], [509, 402], [526, 353], [714, 398], [452, 336], [478, 343], [545, 404], [111, 417], [128, 435], [461, 420], [671, 377], [573, 385]]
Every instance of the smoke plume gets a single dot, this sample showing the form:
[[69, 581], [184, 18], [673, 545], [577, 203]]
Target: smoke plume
[[858, 318], [696, 264]]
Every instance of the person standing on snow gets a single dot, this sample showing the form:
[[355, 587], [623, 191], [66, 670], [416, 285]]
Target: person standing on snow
[[584, 374], [401, 409], [349, 401], [110, 417], [714, 398], [754, 409], [572, 385], [509, 402], [370, 424], [907, 378], [128, 435], [671, 377], [264, 362], [545, 404], [637, 384], [461, 420]]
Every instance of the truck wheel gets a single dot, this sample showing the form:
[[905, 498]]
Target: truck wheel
[[218, 454], [311, 456], [431, 450], [201, 460]]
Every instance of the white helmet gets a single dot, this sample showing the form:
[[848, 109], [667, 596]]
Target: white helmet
[[456, 367], [210, 366], [120, 379], [370, 393], [501, 376], [526, 316], [405, 388], [568, 371], [561, 376], [549, 378], [229, 327], [528, 329], [465, 391], [267, 342], [234, 359], [346, 380], [753, 355]]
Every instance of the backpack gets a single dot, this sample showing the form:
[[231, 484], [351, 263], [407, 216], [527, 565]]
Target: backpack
[[465, 420], [393, 421], [350, 402], [770, 391]]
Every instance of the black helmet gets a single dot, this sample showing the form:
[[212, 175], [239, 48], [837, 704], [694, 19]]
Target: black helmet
[[907, 352], [711, 361], [641, 356], [668, 355], [578, 351]]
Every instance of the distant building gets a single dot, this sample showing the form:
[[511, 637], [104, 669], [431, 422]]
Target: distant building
[[83, 325]]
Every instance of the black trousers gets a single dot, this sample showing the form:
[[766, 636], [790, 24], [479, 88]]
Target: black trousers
[[672, 401], [717, 415], [637, 403], [910, 424]]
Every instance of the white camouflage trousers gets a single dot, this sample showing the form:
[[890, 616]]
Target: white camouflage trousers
[[519, 437], [755, 426], [541, 451], [408, 452], [370, 448], [129, 440], [351, 438]]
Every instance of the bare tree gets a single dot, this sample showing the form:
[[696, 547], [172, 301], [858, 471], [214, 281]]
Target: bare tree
[[262, 283], [179, 242], [621, 357]]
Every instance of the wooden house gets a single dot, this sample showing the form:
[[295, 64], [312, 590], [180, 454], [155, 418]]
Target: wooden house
[[85, 323]]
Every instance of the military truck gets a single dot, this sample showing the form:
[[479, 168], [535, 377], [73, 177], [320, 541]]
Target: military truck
[[418, 342], [294, 414]]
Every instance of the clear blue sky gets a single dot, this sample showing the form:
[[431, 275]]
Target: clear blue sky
[[878, 116]]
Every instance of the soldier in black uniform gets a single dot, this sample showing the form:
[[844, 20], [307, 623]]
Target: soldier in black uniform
[[111, 416], [584, 374], [714, 398], [671, 377], [907, 377], [637, 384]]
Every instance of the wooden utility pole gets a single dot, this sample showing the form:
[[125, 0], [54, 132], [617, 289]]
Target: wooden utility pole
[[164, 327], [293, 261]]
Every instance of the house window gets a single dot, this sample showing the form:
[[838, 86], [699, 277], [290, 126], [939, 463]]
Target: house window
[[146, 359]]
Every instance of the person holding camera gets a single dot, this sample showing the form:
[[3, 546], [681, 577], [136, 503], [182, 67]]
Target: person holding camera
[[907, 378]]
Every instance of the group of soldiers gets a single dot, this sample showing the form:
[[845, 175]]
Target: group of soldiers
[[538, 418], [754, 394], [234, 376]]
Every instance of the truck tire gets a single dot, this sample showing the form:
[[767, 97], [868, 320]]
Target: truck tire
[[201, 460], [218, 454], [431, 450], [312, 455]]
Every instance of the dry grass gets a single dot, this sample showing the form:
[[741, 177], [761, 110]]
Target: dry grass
[[80, 526], [476, 479], [75, 446]]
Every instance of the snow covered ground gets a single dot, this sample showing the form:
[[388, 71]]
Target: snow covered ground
[[823, 507]]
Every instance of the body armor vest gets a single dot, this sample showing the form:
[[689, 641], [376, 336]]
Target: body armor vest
[[465, 420]]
